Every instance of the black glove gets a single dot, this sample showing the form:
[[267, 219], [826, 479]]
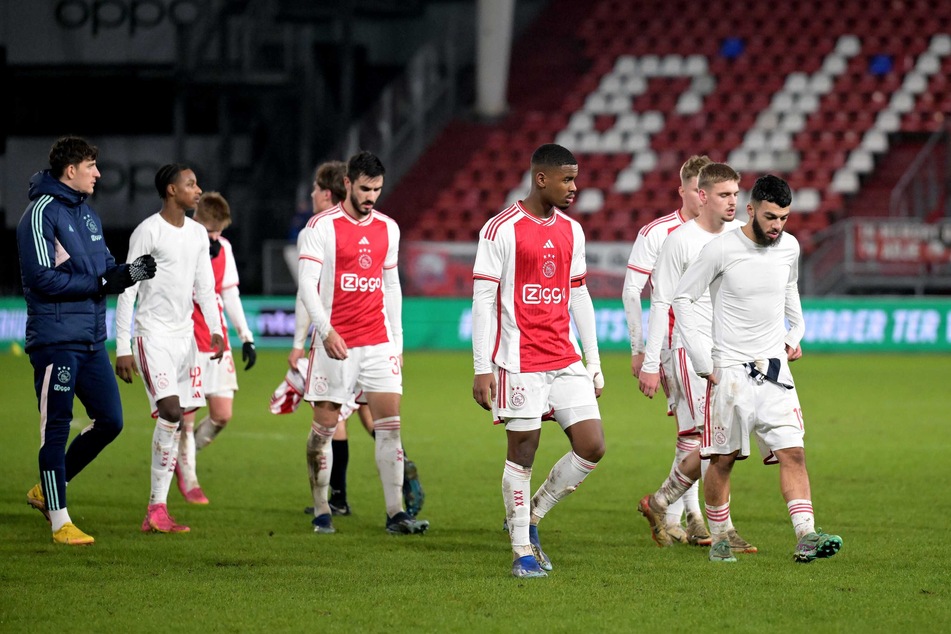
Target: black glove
[[116, 280], [143, 268], [248, 354]]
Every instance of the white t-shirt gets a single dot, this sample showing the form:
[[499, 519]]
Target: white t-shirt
[[353, 257], [650, 239], [163, 305], [752, 289], [680, 249], [535, 262]]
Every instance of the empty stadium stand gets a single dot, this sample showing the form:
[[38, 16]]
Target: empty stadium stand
[[818, 92]]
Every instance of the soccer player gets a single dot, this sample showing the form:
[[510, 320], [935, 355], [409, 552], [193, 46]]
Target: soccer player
[[349, 285], [752, 276], [529, 280], [67, 271], [719, 186], [163, 348], [219, 378], [329, 190], [640, 265]]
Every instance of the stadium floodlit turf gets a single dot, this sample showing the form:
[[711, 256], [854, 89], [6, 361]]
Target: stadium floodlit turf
[[876, 442]]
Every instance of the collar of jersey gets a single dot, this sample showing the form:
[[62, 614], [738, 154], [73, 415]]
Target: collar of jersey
[[535, 218]]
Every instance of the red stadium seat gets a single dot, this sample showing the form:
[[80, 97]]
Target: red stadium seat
[[743, 87]]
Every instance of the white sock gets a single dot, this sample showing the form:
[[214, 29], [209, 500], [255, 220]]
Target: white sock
[[58, 518], [186, 457], [206, 431], [691, 498], [672, 491], [516, 488], [803, 519], [674, 512], [389, 462], [676, 505], [720, 522], [562, 480], [164, 455], [320, 460]]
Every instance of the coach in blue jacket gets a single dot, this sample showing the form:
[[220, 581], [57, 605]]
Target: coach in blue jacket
[[67, 271]]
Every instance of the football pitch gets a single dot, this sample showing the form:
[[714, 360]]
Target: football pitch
[[877, 447]]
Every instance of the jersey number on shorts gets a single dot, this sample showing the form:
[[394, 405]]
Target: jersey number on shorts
[[195, 374]]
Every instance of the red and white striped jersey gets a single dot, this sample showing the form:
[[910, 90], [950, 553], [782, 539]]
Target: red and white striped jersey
[[353, 255], [535, 262], [226, 276]]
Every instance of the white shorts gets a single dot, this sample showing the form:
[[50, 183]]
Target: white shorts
[[348, 408], [368, 368], [523, 398], [219, 378], [690, 394], [169, 367], [740, 406]]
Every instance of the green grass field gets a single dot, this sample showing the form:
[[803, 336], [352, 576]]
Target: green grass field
[[877, 447]]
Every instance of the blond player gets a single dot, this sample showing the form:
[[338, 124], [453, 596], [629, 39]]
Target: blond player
[[640, 266], [719, 186], [752, 275], [162, 349], [349, 284], [219, 378]]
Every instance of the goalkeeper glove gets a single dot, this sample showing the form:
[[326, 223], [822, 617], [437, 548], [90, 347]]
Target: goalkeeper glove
[[594, 371], [123, 276], [248, 354]]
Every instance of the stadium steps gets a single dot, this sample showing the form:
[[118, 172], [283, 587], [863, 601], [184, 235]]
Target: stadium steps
[[874, 197], [562, 57]]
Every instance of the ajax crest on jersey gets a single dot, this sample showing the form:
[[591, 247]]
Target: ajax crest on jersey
[[91, 225], [365, 260]]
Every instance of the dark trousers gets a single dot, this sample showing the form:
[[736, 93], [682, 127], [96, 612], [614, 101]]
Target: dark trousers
[[58, 376]]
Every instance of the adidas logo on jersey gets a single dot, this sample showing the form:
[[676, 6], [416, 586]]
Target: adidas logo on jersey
[[364, 240], [548, 245]]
